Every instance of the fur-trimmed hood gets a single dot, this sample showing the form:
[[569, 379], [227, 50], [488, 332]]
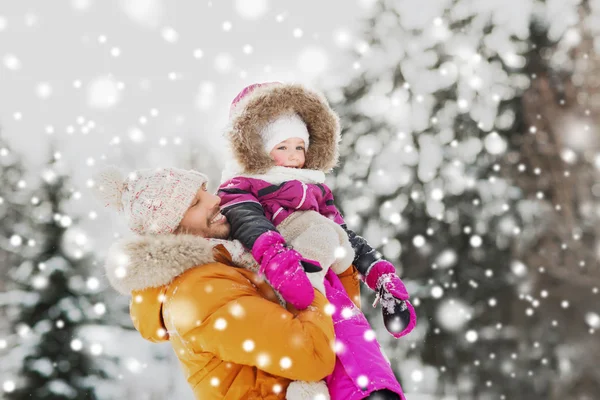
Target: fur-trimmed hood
[[148, 261], [263, 104]]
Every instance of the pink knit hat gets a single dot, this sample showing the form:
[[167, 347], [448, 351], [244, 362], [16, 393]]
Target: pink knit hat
[[153, 200]]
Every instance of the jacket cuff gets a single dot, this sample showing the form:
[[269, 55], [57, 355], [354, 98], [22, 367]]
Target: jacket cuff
[[266, 242], [376, 270]]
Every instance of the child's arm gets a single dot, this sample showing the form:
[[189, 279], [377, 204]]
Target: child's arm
[[399, 316], [283, 267], [378, 274], [364, 255], [240, 205]]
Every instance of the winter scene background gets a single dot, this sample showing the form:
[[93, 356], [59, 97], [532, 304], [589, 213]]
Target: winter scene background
[[470, 158]]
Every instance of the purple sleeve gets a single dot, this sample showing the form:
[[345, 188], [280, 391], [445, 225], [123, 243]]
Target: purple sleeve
[[329, 209], [239, 204], [236, 191]]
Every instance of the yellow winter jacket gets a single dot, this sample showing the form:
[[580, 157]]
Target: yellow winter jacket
[[226, 325]]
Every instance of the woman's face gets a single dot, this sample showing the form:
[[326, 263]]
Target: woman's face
[[204, 217]]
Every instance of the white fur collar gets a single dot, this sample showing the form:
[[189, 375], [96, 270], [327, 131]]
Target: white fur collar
[[147, 261], [277, 175]]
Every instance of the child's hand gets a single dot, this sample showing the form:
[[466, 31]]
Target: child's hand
[[382, 275], [399, 315], [284, 269]]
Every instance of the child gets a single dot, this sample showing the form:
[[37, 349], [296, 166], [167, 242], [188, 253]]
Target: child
[[284, 138]]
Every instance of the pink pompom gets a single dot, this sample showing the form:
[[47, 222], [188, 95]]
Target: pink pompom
[[109, 187]]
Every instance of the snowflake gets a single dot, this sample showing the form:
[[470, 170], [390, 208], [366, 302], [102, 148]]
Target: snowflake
[[220, 324], [248, 345]]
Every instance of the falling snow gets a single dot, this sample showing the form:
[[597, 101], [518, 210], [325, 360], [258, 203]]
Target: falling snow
[[435, 171]]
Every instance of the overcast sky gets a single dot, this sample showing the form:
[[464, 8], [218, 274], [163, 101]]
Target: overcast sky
[[139, 83], [90, 71]]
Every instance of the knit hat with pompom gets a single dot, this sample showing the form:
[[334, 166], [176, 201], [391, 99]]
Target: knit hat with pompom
[[154, 201]]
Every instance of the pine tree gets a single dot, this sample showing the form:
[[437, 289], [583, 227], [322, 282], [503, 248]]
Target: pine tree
[[56, 362], [558, 167], [12, 211], [434, 126], [11, 205]]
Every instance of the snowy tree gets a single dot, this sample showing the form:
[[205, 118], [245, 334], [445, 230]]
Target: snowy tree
[[11, 207], [12, 211], [440, 170], [560, 152], [47, 357]]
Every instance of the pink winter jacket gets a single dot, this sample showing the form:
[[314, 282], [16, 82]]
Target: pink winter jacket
[[279, 201]]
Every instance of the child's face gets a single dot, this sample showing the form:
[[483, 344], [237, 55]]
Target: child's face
[[289, 153]]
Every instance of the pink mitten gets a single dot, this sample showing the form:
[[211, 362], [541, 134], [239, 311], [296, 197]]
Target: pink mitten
[[399, 315], [284, 269]]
